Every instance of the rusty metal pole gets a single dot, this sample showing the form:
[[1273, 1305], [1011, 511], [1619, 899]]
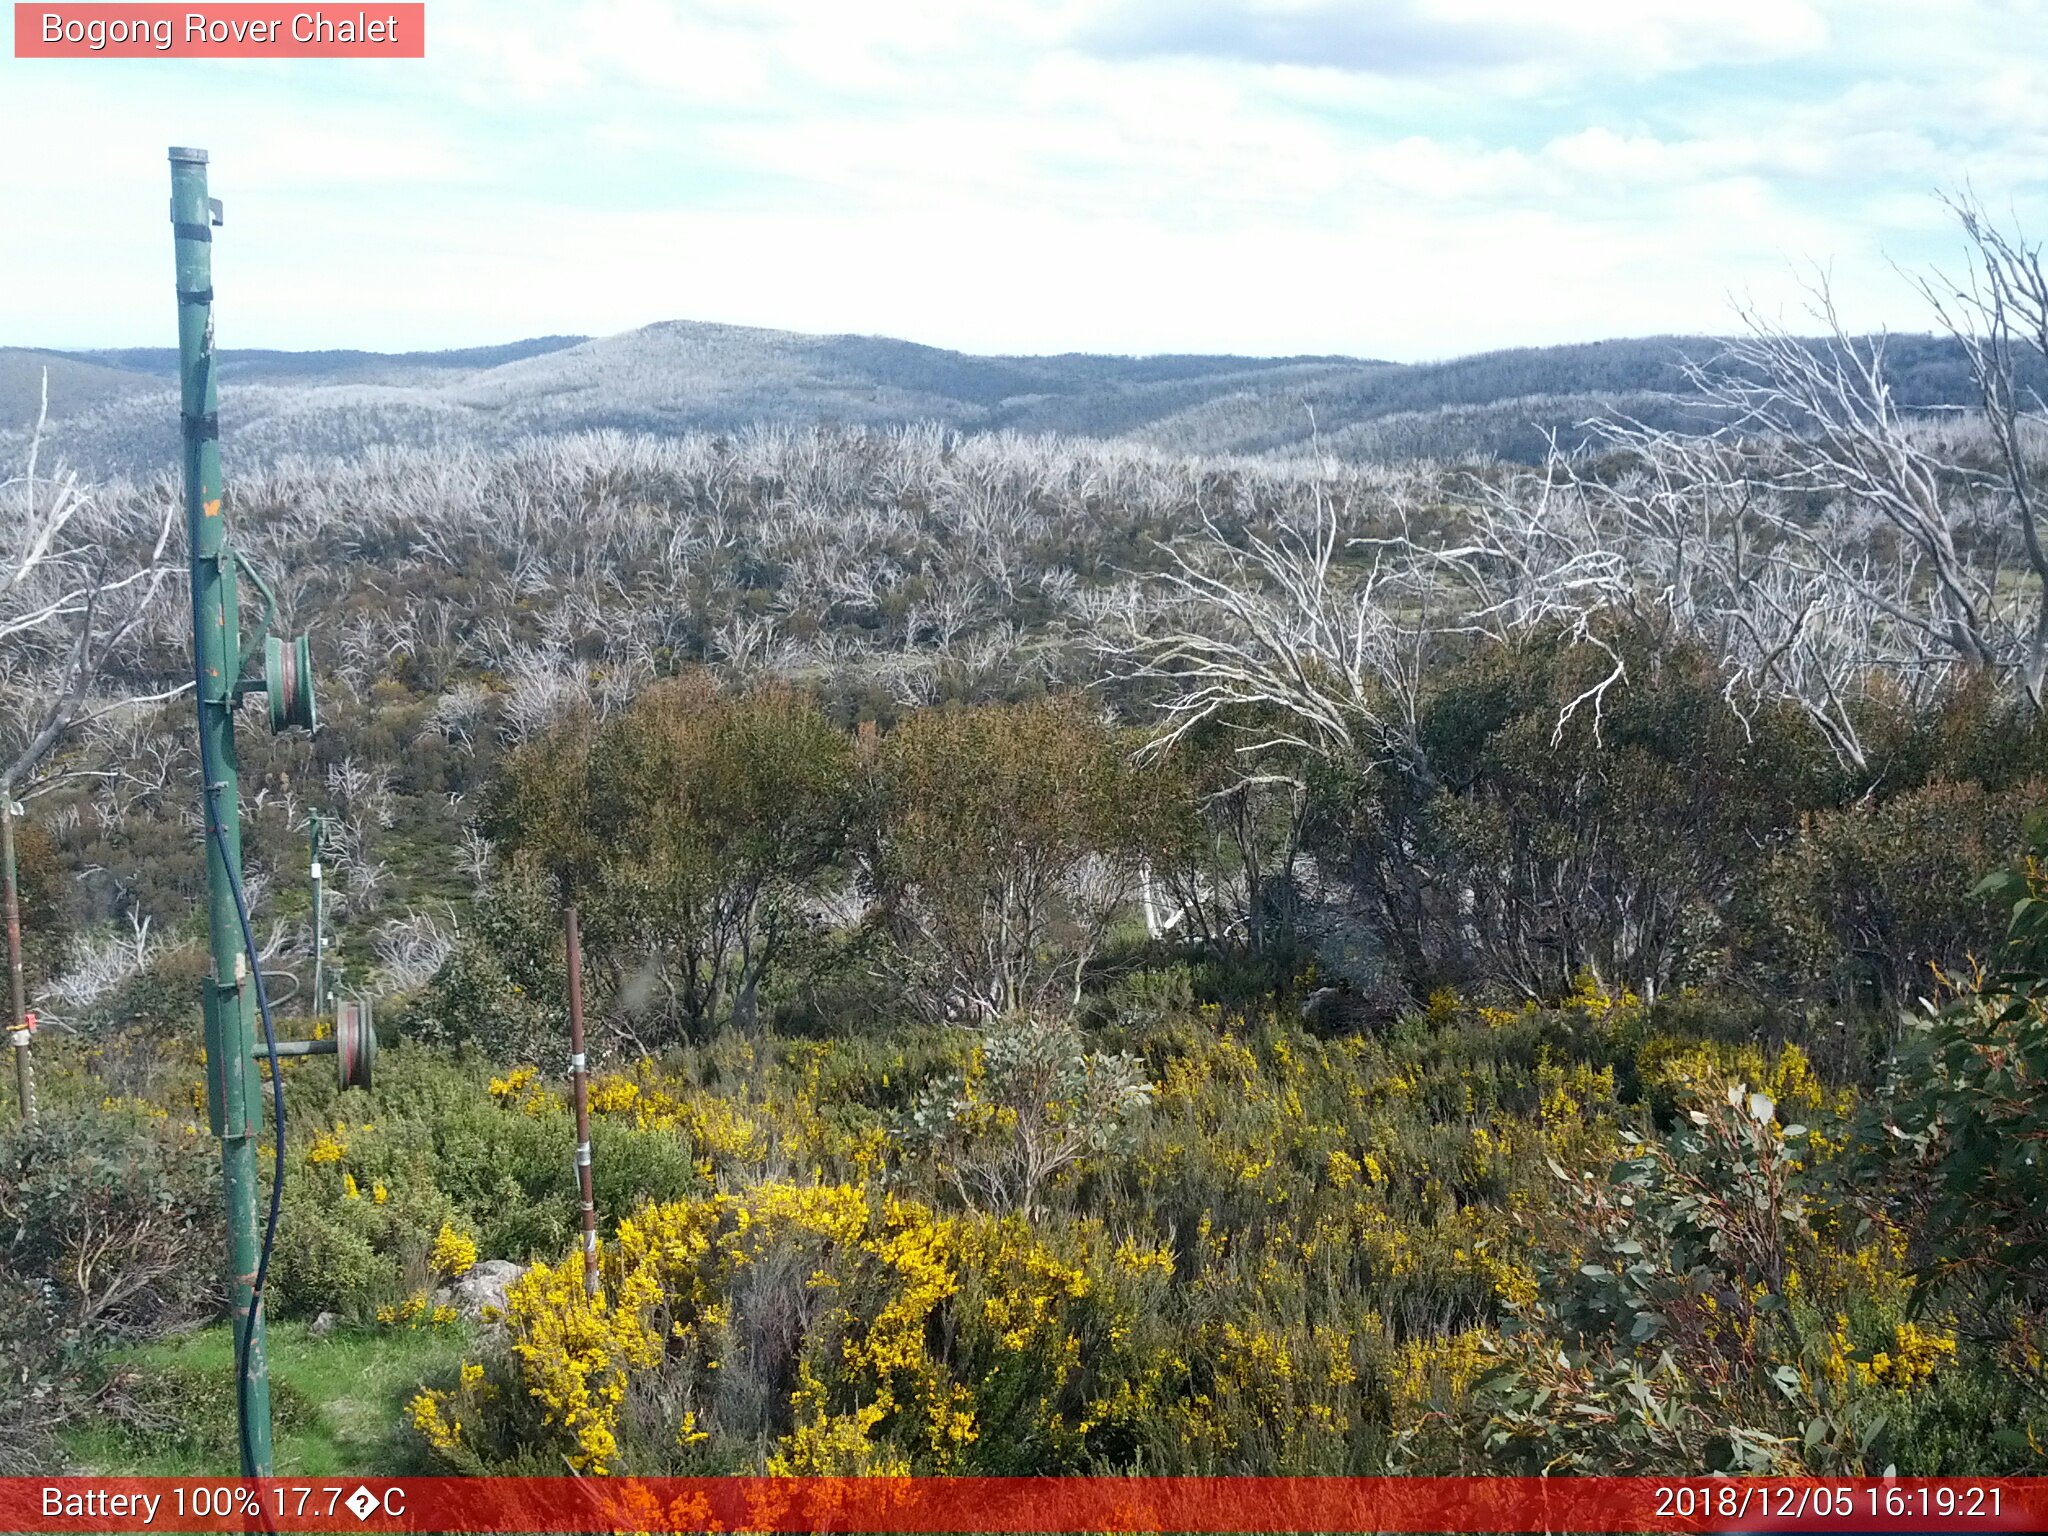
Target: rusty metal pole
[[24, 1069], [579, 1075]]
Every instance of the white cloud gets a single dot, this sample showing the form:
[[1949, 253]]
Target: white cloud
[[1536, 42], [1028, 177]]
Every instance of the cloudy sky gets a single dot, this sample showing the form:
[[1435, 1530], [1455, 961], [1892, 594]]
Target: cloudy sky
[[1392, 178]]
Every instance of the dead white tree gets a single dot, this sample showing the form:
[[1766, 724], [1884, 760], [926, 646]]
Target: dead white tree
[[1268, 635], [100, 962], [79, 573], [1817, 537], [1531, 554], [1685, 543], [1999, 315], [1829, 429], [412, 949]]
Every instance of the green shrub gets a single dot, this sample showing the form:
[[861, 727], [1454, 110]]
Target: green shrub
[[509, 1173], [114, 1213], [1031, 1105], [52, 1373], [158, 1002], [340, 1248], [1964, 1117], [503, 989], [630, 1167], [1673, 1326], [110, 1230], [690, 830], [192, 1412], [1002, 844], [1874, 900], [372, 1176], [44, 892], [1532, 841]]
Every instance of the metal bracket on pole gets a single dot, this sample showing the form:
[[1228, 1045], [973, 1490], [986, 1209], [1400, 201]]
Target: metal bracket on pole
[[353, 1045]]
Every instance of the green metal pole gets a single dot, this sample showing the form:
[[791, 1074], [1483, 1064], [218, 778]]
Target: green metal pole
[[319, 936], [233, 1084]]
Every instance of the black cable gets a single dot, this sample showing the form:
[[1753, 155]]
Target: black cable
[[213, 789]]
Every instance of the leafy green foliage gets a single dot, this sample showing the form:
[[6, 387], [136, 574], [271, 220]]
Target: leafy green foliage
[[1876, 900], [110, 1230], [1004, 842], [1671, 1329], [1536, 841], [504, 987], [116, 1210], [1964, 1122], [690, 831], [44, 893], [1031, 1101]]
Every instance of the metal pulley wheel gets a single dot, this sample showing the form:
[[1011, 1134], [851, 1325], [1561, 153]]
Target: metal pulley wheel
[[355, 1043], [288, 679]]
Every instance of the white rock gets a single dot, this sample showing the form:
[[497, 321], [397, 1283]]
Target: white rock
[[483, 1287]]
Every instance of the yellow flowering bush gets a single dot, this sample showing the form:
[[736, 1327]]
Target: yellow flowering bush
[[1673, 1065], [696, 1293], [1314, 1254], [521, 1089], [453, 1253], [1708, 1302], [1434, 1375], [1596, 999], [415, 1312]]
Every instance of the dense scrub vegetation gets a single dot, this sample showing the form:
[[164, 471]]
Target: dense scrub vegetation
[[1095, 962], [917, 1147]]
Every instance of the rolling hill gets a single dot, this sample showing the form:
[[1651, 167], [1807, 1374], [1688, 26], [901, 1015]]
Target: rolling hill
[[113, 410]]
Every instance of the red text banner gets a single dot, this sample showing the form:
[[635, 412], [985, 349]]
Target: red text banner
[[964, 1504], [221, 31]]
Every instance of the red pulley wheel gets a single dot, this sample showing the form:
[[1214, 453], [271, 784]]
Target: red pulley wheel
[[355, 1044]]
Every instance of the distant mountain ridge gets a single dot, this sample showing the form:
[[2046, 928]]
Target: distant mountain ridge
[[112, 412], [247, 365]]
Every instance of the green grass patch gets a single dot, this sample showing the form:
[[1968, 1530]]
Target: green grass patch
[[337, 1404]]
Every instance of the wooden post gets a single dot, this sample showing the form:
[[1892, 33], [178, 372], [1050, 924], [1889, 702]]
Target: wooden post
[[18, 1030], [579, 1075]]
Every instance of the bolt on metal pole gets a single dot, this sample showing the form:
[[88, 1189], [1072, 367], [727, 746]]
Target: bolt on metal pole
[[233, 1083], [24, 1068], [579, 1076]]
